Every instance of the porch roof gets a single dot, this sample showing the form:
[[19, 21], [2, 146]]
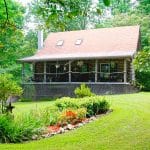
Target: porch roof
[[115, 42]]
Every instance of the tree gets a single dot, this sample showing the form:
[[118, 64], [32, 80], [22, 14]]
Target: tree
[[118, 6], [142, 68], [61, 15], [8, 87], [143, 7], [14, 42], [11, 35]]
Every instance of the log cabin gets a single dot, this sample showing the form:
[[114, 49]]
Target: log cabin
[[101, 58]]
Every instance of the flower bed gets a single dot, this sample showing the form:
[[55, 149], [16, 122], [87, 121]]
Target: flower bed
[[66, 114], [74, 113], [58, 129]]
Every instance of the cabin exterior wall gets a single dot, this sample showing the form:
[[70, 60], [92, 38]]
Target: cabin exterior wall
[[41, 91]]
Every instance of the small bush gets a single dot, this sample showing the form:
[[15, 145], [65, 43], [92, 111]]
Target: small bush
[[83, 91], [66, 102], [95, 105]]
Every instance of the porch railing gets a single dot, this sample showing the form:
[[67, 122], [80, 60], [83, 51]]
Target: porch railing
[[75, 77]]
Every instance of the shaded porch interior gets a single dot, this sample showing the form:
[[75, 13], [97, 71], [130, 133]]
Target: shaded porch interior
[[88, 71]]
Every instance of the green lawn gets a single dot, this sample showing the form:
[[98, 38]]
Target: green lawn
[[126, 128]]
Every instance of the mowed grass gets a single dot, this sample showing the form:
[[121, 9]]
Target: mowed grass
[[126, 128]]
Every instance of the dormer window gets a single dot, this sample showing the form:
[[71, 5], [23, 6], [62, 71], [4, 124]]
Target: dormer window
[[60, 43], [78, 42]]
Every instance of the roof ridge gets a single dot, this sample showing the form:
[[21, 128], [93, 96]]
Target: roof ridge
[[138, 26]]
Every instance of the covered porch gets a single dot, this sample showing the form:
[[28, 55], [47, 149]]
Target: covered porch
[[118, 70]]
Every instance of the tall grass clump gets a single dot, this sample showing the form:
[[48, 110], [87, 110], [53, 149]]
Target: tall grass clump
[[23, 126]]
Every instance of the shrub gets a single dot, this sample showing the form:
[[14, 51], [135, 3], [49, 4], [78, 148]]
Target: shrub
[[24, 126], [142, 70], [83, 91], [6, 129], [13, 132], [66, 102], [8, 87], [95, 105], [28, 125], [142, 80], [72, 116]]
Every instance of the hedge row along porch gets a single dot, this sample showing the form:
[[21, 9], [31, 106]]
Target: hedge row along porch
[[101, 58]]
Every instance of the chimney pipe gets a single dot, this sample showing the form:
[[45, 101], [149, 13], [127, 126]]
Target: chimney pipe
[[40, 39]]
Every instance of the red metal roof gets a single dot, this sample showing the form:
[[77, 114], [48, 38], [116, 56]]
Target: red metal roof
[[96, 43]]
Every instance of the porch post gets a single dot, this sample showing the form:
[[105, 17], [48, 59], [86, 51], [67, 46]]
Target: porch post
[[96, 66], [125, 70], [132, 72], [44, 71], [69, 71], [22, 72], [33, 70]]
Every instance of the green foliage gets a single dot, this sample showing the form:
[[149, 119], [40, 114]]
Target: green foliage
[[66, 102], [12, 132], [53, 118], [65, 15], [24, 126], [94, 105], [106, 2], [14, 44], [31, 100], [25, 100], [143, 7], [142, 68], [8, 87], [81, 113], [7, 130], [83, 91]]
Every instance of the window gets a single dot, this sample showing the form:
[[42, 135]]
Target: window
[[60, 43], [78, 42]]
